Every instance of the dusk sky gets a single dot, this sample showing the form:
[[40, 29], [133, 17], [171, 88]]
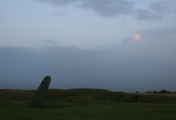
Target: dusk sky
[[119, 45]]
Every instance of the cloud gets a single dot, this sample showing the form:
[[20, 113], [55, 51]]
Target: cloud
[[158, 35], [156, 10], [59, 3], [172, 36], [107, 8], [125, 67], [50, 41], [164, 7], [147, 15]]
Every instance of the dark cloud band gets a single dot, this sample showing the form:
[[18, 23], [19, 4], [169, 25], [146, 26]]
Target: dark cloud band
[[111, 8]]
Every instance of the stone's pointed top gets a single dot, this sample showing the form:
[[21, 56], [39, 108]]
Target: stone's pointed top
[[47, 77]]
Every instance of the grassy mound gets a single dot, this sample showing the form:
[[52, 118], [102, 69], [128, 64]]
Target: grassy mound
[[86, 104], [85, 96]]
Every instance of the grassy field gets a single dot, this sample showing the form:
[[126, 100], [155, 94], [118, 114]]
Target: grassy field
[[86, 104]]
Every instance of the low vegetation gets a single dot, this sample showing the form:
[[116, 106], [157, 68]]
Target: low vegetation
[[87, 104]]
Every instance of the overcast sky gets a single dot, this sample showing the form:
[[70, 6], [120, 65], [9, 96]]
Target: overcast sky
[[122, 45]]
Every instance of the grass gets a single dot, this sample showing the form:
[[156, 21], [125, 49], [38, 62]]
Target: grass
[[86, 104]]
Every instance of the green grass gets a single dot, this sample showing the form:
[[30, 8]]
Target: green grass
[[86, 104]]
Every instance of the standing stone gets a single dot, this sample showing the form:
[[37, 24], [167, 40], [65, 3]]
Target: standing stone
[[38, 99]]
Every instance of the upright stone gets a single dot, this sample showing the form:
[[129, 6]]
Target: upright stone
[[38, 99]]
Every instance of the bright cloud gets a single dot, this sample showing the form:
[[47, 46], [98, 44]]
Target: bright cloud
[[137, 37]]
